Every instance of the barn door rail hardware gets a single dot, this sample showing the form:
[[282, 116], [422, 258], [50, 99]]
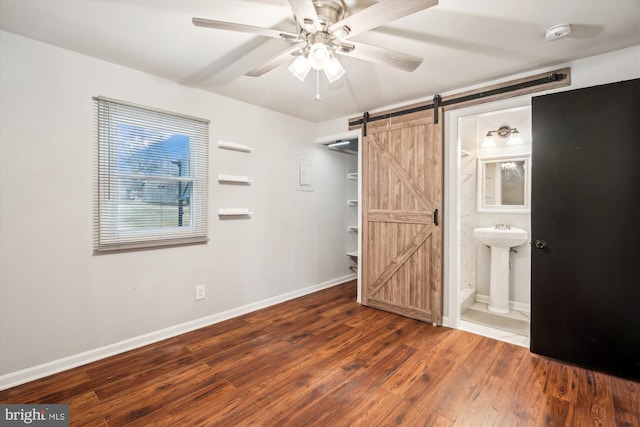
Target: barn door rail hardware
[[536, 83]]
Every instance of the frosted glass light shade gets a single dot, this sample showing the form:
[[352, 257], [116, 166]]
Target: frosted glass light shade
[[488, 141], [300, 68], [334, 70], [515, 138], [319, 56]]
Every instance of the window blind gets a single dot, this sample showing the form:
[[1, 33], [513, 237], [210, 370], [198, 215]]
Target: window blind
[[152, 177]]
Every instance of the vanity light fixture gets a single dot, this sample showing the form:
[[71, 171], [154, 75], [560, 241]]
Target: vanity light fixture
[[502, 132]]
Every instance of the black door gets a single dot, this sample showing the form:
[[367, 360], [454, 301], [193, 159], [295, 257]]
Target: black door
[[585, 220]]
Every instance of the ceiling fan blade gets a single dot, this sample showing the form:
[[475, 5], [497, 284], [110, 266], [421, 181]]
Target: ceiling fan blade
[[230, 26], [379, 14], [306, 14], [276, 61], [390, 57]]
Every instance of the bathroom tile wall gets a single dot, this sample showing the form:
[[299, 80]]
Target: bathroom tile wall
[[468, 220]]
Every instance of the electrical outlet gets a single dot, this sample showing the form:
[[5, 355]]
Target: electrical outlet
[[200, 292]]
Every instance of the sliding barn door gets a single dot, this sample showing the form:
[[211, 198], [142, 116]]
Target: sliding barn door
[[402, 191]]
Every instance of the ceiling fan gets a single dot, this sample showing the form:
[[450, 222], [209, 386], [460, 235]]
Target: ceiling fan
[[324, 31]]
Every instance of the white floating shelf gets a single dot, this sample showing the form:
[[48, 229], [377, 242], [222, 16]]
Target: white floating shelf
[[353, 254], [353, 228], [234, 146], [352, 202], [235, 178], [234, 211], [353, 176]]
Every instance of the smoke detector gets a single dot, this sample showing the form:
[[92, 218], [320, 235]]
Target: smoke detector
[[557, 32]]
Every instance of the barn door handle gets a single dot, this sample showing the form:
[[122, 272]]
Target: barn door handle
[[435, 217]]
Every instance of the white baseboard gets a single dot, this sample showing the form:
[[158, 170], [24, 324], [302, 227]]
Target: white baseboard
[[513, 305], [22, 376]]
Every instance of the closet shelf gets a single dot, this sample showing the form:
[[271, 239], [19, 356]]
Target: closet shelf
[[234, 179], [234, 146]]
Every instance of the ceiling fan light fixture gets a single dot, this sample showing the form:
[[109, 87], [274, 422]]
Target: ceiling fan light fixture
[[289, 37], [346, 48], [321, 31], [319, 56], [300, 67], [342, 32], [334, 70]]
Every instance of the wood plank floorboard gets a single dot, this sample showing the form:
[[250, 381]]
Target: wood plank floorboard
[[324, 360]]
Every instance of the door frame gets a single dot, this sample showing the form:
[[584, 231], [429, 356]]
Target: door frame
[[451, 233]]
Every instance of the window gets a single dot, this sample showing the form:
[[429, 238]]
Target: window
[[152, 177]]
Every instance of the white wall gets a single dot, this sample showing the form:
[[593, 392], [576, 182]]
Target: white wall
[[57, 299]]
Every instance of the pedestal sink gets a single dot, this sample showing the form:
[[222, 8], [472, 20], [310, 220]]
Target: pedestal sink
[[500, 239]]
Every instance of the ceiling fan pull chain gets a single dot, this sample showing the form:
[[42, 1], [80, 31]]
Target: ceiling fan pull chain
[[317, 85]]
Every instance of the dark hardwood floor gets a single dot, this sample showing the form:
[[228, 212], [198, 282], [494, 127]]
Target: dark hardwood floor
[[324, 360]]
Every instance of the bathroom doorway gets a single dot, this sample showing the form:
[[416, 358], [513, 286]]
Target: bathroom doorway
[[487, 186]]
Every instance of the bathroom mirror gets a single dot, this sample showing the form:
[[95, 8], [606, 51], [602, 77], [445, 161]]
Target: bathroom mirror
[[503, 184]]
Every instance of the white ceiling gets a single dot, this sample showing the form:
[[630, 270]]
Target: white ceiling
[[463, 42]]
